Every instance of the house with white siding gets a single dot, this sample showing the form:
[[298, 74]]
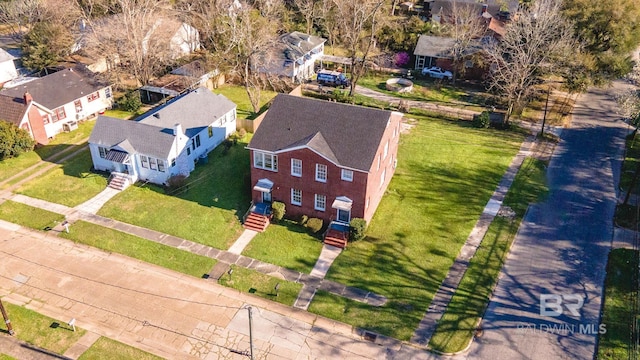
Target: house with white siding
[[166, 141], [65, 97]]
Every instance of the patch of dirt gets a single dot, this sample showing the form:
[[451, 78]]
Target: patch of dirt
[[407, 124], [543, 149]]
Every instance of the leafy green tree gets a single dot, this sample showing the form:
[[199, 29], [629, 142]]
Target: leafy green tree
[[609, 31], [45, 45], [14, 141]]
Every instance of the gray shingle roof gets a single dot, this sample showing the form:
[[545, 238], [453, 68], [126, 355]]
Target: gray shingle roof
[[194, 111], [441, 47], [348, 135], [153, 136], [145, 139], [57, 89]]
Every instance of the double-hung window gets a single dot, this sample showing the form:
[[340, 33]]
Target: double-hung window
[[265, 161], [102, 151], [296, 197], [320, 202], [296, 167], [144, 161], [78, 105], [93, 96], [152, 164], [59, 114], [321, 172], [347, 175], [160, 165]]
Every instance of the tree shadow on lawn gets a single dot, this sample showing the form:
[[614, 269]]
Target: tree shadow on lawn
[[223, 182]]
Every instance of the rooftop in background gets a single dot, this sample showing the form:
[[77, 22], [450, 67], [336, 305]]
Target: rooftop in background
[[441, 47], [12, 109], [57, 89]]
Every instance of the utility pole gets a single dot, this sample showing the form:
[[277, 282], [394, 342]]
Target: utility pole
[[8, 322], [544, 117], [250, 334]]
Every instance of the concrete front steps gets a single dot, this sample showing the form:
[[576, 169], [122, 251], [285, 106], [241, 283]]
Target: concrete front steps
[[256, 222], [119, 181], [336, 238]]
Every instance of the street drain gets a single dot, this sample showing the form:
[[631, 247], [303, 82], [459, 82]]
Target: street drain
[[370, 336]]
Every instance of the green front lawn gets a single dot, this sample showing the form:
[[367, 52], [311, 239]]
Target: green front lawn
[[208, 212], [458, 324], [446, 173], [65, 140], [70, 183], [424, 90], [138, 248], [106, 348], [619, 315], [253, 282], [6, 357], [42, 331], [286, 244], [10, 167], [238, 95], [632, 156], [29, 216]]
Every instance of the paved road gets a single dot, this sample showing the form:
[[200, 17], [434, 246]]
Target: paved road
[[562, 245], [171, 315]]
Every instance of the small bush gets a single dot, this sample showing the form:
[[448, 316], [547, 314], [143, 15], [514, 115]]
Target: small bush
[[278, 209], [176, 182], [130, 102], [242, 133], [303, 220], [482, 120], [314, 225], [358, 229], [14, 141]]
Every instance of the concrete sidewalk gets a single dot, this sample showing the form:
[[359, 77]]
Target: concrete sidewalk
[[225, 257], [169, 314], [445, 292]]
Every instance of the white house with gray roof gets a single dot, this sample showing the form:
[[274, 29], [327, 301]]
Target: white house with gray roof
[[8, 70], [165, 141]]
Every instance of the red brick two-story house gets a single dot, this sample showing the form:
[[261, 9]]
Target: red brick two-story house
[[323, 159]]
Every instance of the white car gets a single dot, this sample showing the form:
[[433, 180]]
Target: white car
[[437, 73]]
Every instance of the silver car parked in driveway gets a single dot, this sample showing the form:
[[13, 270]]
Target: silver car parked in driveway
[[437, 73]]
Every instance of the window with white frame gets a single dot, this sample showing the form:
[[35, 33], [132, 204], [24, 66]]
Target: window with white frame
[[320, 202], [144, 161], [296, 197], [296, 167], [386, 150], [198, 140], [153, 165], [59, 114], [265, 161], [161, 165], [346, 175], [102, 151], [321, 172], [93, 96], [382, 177], [78, 105]]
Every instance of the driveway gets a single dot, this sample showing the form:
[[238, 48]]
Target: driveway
[[562, 246]]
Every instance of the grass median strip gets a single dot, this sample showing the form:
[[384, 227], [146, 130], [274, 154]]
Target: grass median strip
[[619, 315], [29, 216], [286, 244], [458, 324], [42, 331], [106, 348], [138, 248], [253, 282]]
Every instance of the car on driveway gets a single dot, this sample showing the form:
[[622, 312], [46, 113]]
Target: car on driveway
[[437, 73]]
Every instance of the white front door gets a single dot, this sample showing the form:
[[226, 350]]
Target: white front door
[[266, 197]]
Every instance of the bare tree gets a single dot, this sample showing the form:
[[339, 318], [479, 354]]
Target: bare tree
[[465, 26], [531, 46], [19, 15], [137, 38], [358, 24], [328, 20], [308, 9]]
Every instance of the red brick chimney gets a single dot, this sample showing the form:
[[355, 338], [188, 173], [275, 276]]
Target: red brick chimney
[[27, 98]]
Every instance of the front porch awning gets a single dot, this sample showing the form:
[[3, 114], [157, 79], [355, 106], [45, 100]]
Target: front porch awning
[[264, 185], [342, 203], [117, 156]]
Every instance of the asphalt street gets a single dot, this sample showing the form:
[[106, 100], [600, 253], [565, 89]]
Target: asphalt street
[[561, 249]]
